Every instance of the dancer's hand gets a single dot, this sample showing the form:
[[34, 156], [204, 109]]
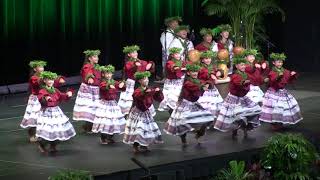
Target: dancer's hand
[[137, 63], [148, 67], [90, 81], [48, 98], [213, 77], [266, 80], [148, 90], [218, 74], [112, 87], [61, 81], [257, 65], [293, 73], [69, 93], [246, 81], [176, 68], [121, 85], [157, 89], [183, 69], [264, 65]]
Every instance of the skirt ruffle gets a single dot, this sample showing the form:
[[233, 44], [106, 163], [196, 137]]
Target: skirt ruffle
[[255, 94], [211, 100], [171, 92], [32, 112]]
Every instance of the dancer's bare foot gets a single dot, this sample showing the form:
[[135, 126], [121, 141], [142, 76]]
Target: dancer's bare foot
[[144, 149]]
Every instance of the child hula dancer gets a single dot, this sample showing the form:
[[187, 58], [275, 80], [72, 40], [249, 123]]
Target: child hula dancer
[[211, 99], [132, 65], [88, 94], [254, 71], [207, 44], [279, 106], [141, 129], [109, 120], [52, 124], [173, 84], [34, 106], [189, 115], [237, 110]]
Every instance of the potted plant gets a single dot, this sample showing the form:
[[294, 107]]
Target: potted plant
[[71, 175], [289, 156], [236, 171]]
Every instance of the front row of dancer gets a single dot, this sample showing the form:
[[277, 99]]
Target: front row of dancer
[[189, 95]]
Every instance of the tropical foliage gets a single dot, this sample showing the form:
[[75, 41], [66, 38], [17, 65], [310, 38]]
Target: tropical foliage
[[236, 171]]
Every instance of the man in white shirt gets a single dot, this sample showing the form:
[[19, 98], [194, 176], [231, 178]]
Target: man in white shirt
[[166, 38], [181, 41]]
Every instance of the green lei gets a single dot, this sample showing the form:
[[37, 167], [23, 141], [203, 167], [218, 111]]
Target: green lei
[[133, 59], [96, 67], [109, 82], [243, 75], [142, 90], [278, 70], [195, 81], [177, 62], [209, 67], [50, 90]]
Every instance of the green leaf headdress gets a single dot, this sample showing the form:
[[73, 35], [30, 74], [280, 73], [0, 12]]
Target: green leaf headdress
[[168, 20], [141, 75], [130, 49], [48, 75], [175, 50], [221, 28], [239, 60], [89, 53], [109, 68], [193, 67], [205, 31], [278, 56], [208, 54], [181, 27], [248, 52], [37, 63]]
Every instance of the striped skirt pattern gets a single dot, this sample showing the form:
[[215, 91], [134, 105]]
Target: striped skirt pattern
[[186, 117], [280, 106], [54, 125], [86, 103], [255, 94], [109, 118], [171, 92], [126, 99], [32, 112], [235, 109], [141, 128], [211, 100]]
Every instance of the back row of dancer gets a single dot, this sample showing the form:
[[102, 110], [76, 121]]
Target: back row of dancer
[[189, 95]]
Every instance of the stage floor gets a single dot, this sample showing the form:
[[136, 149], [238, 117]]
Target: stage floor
[[21, 160]]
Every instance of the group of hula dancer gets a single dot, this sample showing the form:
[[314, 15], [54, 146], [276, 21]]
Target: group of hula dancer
[[189, 94]]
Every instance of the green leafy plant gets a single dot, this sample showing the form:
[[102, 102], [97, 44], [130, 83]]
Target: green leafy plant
[[290, 156], [71, 175], [248, 12], [236, 171]]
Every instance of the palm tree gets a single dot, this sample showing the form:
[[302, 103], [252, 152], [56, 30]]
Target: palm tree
[[248, 12]]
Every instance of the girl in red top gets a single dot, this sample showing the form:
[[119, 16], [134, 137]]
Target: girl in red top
[[254, 69], [208, 44], [52, 124], [189, 115], [211, 99], [279, 106], [175, 76], [33, 107], [237, 110], [132, 65], [109, 119], [141, 129], [88, 94]]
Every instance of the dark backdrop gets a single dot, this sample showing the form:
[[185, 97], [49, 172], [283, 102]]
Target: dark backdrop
[[59, 30]]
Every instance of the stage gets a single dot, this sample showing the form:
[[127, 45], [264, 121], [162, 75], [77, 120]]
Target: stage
[[21, 160]]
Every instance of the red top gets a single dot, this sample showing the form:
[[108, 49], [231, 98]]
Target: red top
[[277, 82], [191, 91], [220, 46], [56, 98], [34, 84], [201, 47], [143, 100], [108, 93], [205, 76], [130, 67], [174, 73], [254, 74], [88, 71], [237, 86]]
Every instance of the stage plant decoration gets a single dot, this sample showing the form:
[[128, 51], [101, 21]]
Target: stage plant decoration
[[71, 175], [236, 171], [289, 156], [245, 16]]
